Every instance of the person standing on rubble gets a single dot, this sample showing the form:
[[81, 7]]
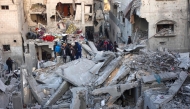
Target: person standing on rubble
[[9, 63], [115, 46], [54, 49], [129, 40], [66, 52], [78, 50], [72, 52], [57, 49]]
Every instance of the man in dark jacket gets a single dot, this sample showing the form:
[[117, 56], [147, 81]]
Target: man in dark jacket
[[9, 63], [78, 50], [129, 40]]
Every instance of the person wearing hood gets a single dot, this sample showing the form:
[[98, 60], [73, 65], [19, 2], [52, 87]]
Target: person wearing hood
[[78, 50]]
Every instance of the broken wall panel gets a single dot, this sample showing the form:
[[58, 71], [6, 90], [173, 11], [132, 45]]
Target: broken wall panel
[[77, 72], [62, 89], [107, 71]]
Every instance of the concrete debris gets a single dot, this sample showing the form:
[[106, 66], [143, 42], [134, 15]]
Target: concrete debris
[[159, 77], [92, 46], [184, 59], [48, 64], [77, 72], [123, 71], [79, 98], [115, 91], [110, 67], [178, 83], [131, 78], [88, 49], [62, 89], [2, 86]]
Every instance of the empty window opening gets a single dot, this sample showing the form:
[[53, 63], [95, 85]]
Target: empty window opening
[[14, 40], [39, 18], [6, 47], [64, 10], [38, 8], [52, 18], [162, 43], [5, 7]]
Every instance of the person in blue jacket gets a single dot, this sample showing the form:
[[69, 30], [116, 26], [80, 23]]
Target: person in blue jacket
[[57, 50], [78, 50]]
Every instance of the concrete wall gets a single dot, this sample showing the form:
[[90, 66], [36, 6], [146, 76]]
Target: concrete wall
[[16, 50], [116, 24], [175, 10]]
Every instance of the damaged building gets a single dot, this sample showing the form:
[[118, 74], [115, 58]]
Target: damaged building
[[153, 20], [147, 74], [12, 30]]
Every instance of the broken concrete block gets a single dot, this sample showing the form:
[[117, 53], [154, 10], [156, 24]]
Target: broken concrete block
[[17, 101], [107, 71], [33, 85], [95, 69], [88, 49], [79, 98], [92, 46], [77, 72], [184, 59], [2, 86], [123, 71], [163, 76], [115, 91], [4, 100], [48, 64], [178, 83], [61, 106], [62, 89]]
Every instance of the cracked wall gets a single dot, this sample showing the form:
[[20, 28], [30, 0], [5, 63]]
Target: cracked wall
[[154, 11]]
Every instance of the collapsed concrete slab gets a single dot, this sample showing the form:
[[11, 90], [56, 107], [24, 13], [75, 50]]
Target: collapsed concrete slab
[[95, 69], [178, 83], [155, 98], [4, 100], [17, 101], [115, 91], [184, 59], [48, 64], [77, 72], [37, 94], [162, 76], [105, 57], [107, 71], [123, 71], [62, 89], [92, 46], [2, 86], [79, 98], [88, 49]]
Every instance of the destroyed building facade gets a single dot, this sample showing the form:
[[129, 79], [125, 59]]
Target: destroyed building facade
[[156, 20], [12, 30]]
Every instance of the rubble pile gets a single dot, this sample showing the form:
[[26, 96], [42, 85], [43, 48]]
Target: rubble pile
[[105, 79]]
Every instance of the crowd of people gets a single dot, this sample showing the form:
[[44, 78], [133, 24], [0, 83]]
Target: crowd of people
[[68, 51], [107, 45]]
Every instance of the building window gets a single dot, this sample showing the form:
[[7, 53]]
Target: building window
[[4, 7], [165, 28], [6, 47], [161, 27]]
